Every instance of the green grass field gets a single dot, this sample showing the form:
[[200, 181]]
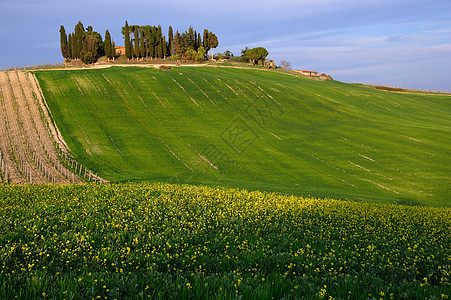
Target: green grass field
[[255, 129], [162, 241]]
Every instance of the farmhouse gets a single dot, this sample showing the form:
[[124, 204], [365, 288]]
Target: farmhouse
[[119, 50], [305, 72]]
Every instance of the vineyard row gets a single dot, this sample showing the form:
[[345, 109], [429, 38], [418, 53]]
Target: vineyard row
[[32, 150]]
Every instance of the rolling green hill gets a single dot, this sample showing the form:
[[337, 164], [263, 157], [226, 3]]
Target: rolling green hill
[[255, 129]]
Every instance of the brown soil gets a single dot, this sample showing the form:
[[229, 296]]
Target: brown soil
[[26, 144]]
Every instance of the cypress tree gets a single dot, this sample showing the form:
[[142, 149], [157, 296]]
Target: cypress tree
[[196, 45], [170, 39], [79, 36], [159, 42], [205, 41], [109, 50], [137, 48], [176, 43], [142, 50], [69, 46], [63, 41], [127, 41], [164, 47], [199, 41], [73, 46], [113, 49], [152, 41], [191, 40]]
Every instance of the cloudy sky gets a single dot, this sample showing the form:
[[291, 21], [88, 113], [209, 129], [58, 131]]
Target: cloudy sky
[[395, 42]]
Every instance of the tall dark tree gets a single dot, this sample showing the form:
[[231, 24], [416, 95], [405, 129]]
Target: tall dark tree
[[73, 46], [109, 50], [137, 48], [176, 47], [63, 41], [152, 41], [69, 46], [114, 49], [199, 41], [190, 39], [127, 41], [142, 48], [170, 39], [196, 45], [205, 41], [164, 47], [158, 46], [79, 35], [148, 39]]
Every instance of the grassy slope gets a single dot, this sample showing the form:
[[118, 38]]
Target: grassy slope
[[255, 129]]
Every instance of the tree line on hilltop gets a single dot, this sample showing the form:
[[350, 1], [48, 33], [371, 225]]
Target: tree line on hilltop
[[86, 45], [148, 42], [141, 42]]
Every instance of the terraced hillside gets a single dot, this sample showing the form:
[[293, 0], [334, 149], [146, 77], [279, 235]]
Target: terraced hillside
[[28, 154], [255, 129]]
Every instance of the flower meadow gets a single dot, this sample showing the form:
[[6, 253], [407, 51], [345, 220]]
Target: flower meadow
[[150, 240]]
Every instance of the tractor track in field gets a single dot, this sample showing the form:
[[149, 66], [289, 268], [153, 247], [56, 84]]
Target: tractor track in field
[[32, 150]]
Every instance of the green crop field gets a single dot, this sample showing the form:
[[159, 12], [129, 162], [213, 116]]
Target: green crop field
[[255, 129], [163, 241]]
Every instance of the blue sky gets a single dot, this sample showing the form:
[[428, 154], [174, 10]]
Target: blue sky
[[394, 42]]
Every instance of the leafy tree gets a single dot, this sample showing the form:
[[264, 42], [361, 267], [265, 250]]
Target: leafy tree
[[194, 55], [212, 42], [227, 54], [63, 41], [256, 54], [100, 44], [90, 48], [200, 53], [199, 41], [126, 33]]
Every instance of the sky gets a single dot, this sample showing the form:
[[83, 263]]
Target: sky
[[402, 43]]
